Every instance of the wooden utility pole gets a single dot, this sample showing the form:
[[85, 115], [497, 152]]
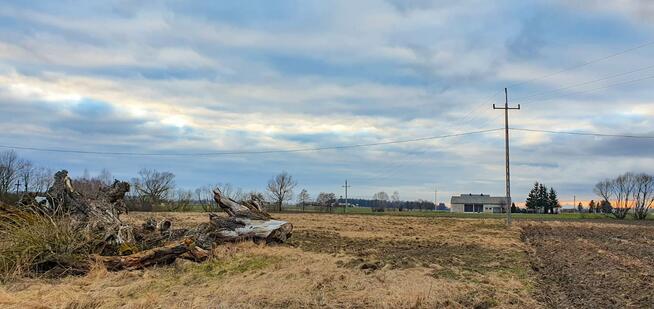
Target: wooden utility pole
[[506, 109], [346, 187]]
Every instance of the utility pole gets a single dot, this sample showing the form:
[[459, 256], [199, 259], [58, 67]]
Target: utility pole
[[506, 109], [346, 187], [17, 186], [435, 197]]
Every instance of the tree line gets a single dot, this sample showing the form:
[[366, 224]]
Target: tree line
[[152, 189], [542, 199], [628, 193], [17, 174]]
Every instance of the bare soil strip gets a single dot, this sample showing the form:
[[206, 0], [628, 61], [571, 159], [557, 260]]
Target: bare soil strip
[[592, 265]]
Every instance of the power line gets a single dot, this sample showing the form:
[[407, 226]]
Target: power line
[[584, 64], [249, 152], [584, 133], [595, 89], [537, 94]]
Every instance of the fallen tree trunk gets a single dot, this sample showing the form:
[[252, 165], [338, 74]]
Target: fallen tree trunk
[[248, 220], [121, 246], [157, 256]]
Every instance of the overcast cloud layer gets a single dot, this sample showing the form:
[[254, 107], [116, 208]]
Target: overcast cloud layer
[[188, 77]]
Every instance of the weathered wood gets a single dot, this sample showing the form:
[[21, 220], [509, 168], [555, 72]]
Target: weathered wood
[[250, 209], [157, 256], [248, 220], [160, 243]]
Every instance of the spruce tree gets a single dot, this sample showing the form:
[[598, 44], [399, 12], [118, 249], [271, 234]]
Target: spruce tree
[[543, 198], [532, 198], [553, 200]]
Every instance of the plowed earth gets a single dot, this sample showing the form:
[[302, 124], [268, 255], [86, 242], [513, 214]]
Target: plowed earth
[[592, 265]]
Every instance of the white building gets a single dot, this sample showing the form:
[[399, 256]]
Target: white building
[[477, 203]]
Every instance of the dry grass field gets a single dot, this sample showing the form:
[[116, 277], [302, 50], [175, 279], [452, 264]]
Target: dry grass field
[[356, 261]]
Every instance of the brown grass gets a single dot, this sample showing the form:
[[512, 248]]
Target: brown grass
[[449, 263]]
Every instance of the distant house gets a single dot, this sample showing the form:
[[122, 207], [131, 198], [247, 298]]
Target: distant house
[[477, 203]]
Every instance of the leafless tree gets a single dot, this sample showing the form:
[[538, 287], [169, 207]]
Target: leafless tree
[[281, 188], [603, 189], [204, 196], [381, 196], [10, 168], [27, 176], [623, 189], [380, 199], [43, 178], [621, 193], [395, 197], [182, 200], [303, 197], [225, 188], [643, 195], [89, 186], [154, 186], [253, 195], [326, 200], [228, 190], [105, 177]]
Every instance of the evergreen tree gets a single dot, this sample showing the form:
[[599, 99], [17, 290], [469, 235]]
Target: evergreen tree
[[532, 198], [543, 198], [513, 208], [552, 200]]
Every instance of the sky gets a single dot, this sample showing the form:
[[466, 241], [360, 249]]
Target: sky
[[190, 77]]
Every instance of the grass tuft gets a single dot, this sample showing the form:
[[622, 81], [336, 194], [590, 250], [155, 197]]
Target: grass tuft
[[235, 264], [35, 244]]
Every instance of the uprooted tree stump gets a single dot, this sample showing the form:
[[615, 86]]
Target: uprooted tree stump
[[125, 247]]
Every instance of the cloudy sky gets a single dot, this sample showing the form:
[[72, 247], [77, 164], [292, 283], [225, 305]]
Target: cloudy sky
[[183, 77]]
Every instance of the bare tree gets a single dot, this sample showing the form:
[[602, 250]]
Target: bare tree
[[326, 200], [87, 185], [228, 190], [154, 186], [623, 189], [621, 193], [253, 195], [182, 200], [10, 167], [105, 177], [281, 188], [43, 178], [603, 189], [380, 199], [27, 176], [204, 196], [643, 195], [381, 196], [303, 197], [395, 197]]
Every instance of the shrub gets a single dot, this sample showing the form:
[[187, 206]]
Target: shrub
[[34, 244]]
